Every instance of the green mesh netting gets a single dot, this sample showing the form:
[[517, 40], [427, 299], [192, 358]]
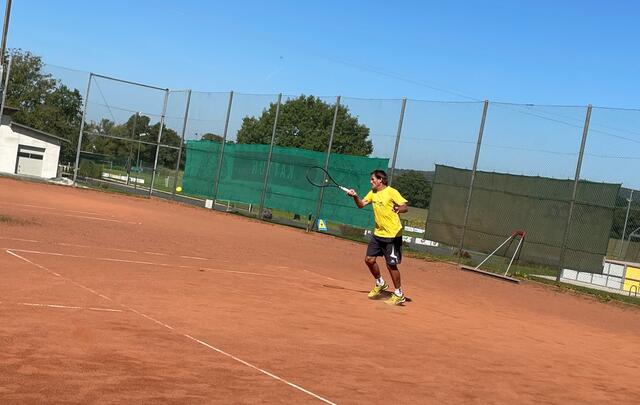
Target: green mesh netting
[[243, 170], [503, 203]]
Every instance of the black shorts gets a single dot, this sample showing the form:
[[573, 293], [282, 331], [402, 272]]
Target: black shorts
[[390, 248]]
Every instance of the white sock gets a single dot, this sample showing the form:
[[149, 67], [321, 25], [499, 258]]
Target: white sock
[[398, 292], [379, 281]]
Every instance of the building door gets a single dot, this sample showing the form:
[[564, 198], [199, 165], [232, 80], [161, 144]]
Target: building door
[[30, 160]]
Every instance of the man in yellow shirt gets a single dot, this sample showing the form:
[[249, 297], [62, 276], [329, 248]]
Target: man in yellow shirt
[[387, 237]]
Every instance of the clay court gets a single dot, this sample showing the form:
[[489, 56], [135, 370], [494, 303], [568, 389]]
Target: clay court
[[115, 299]]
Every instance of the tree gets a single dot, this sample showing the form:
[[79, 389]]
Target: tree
[[305, 122], [44, 102], [211, 137], [415, 187]]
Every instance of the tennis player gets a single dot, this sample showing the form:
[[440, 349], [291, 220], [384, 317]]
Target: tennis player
[[387, 236]]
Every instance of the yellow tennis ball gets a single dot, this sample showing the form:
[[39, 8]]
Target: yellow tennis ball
[[178, 189]]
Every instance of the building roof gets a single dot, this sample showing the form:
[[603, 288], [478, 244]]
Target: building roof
[[23, 129]]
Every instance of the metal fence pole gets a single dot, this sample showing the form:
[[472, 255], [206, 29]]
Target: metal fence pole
[[326, 162], [626, 220], [84, 114], [5, 30], [130, 157], [155, 162], [184, 129], [485, 108], [266, 172], [224, 141], [395, 150], [585, 132], [6, 85]]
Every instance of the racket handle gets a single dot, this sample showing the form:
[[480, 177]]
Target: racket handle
[[346, 190]]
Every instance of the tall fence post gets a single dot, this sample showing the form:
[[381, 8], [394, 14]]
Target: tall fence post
[[224, 141], [84, 115], [155, 162], [184, 130], [266, 172], [485, 108], [6, 85], [326, 161], [626, 221], [395, 149], [585, 132]]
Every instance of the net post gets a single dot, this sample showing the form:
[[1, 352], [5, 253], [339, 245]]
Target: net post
[[626, 221], [268, 166], [221, 157], [184, 129], [585, 132], [395, 149], [6, 84], [155, 162], [485, 108], [84, 114], [328, 157]]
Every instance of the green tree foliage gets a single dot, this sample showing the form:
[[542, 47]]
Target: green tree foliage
[[414, 186], [211, 137], [120, 144], [44, 102], [305, 122]]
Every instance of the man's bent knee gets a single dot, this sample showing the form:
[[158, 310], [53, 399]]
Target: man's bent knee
[[370, 260]]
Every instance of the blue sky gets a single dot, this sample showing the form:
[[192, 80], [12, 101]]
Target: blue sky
[[543, 52], [549, 52]]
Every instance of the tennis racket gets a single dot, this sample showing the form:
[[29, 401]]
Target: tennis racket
[[319, 177]]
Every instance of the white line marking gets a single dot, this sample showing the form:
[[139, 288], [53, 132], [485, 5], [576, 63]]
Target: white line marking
[[20, 240], [195, 258], [205, 344], [260, 370], [69, 307], [108, 259], [100, 219], [56, 274], [319, 275], [243, 272], [95, 247], [93, 218], [51, 208], [155, 254]]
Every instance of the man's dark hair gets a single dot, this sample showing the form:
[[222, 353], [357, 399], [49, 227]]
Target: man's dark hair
[[380, 175]]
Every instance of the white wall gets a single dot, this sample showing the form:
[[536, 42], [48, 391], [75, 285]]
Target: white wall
[[9, 142]]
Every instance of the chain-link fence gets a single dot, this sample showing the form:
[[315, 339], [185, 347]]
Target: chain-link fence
[[478, 175]]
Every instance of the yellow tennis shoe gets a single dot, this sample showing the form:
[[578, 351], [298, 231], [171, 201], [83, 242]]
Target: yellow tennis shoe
[[396, 299], [377, 290]]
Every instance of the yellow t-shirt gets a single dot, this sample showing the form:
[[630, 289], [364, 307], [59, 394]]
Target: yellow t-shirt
[[387, 222]]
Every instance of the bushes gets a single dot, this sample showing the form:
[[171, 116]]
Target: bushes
[[90, 169]]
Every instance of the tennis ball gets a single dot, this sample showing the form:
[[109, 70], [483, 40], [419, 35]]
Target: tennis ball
[[178, 189]]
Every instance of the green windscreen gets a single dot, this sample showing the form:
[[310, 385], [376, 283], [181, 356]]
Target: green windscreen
[[503, 203], [243, 171]]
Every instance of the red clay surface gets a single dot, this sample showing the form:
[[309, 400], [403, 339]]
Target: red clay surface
[[115, 299]]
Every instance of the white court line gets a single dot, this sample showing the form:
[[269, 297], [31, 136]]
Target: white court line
[[108, 248], [93, 218], [100, 219], [29, 304], [205, 344], [108, 259], [96, 247], [50, 208], [195, 258], [20, 240]]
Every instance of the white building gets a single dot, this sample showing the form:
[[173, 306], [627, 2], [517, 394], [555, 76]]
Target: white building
[[27, 151]]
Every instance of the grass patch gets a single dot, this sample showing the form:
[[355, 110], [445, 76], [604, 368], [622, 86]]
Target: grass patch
[[7, 220]]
